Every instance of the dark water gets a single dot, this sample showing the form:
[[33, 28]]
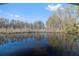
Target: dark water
[[40, 44]]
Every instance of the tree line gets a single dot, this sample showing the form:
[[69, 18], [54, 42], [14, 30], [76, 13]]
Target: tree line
[[17, 24], [62, 20]]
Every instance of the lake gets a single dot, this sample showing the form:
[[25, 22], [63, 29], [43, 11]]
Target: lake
[[39, 44]]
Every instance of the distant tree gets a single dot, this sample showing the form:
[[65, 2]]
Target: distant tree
[[38, 25], [2, 22]]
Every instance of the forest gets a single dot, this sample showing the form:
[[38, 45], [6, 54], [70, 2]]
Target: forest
[[63, 20]]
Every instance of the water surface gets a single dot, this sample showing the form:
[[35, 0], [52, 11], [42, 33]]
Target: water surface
[[40, 44]]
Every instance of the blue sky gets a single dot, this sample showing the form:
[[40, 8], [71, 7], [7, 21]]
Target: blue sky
[[29, 12]]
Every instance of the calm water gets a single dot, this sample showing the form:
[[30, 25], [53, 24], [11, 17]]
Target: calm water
[[40, 44]]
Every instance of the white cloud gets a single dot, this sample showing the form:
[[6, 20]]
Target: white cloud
[[17, 16], [14, 15], [11, 14], [52, 7]]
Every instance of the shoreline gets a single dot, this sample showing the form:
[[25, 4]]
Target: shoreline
[[35, 32]]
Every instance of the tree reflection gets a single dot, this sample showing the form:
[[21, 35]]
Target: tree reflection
[[65, 42]]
